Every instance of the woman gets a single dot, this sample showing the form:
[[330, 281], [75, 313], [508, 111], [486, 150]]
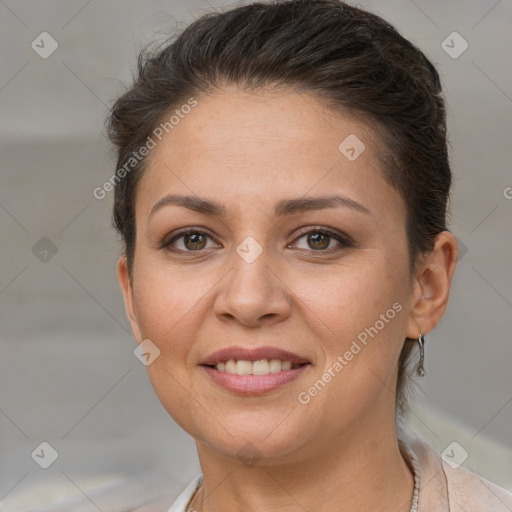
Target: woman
[[281, 193]]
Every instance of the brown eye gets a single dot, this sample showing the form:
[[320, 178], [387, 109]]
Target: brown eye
[[320, 239], [194, 241], [188, 241]]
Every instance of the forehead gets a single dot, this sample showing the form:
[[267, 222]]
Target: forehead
[[229, 124], [259, 146]]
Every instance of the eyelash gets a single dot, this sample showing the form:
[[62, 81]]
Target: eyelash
[[344, 240]]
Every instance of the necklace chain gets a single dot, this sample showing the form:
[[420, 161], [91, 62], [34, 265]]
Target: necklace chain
[[416, 472]]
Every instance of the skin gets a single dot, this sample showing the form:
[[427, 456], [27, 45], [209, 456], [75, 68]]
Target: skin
[[249, 150]]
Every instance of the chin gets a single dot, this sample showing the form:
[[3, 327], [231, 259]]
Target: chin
[[270, 442]]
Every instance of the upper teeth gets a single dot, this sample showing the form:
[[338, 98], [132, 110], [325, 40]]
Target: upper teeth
[[260, 367]]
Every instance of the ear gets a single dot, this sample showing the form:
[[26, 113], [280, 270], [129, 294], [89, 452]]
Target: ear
[[432, 285], [123, 275]]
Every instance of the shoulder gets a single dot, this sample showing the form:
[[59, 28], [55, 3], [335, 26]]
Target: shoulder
[[446, 487], [470, 492]]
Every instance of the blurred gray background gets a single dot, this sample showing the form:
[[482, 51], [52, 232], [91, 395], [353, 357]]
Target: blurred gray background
[[68, 375]]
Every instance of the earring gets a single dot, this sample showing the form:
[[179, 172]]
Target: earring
[[421, 343]]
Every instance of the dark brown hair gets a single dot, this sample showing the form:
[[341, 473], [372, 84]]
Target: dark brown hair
[[352, 59]]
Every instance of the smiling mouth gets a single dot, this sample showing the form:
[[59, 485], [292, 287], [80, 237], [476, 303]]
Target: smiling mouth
[[259, 367]]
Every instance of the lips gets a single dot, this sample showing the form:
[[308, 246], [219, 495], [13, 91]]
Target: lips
[[246, 385], [254, 354], [253, 371]]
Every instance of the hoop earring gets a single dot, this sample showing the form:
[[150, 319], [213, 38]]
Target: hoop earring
[[421, 343]]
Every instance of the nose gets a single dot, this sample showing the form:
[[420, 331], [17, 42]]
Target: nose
[[253, 293]]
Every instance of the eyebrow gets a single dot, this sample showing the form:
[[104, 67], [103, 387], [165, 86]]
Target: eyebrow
[[282, 208]]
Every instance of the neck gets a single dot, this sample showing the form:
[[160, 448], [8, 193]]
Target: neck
[[363, 470]]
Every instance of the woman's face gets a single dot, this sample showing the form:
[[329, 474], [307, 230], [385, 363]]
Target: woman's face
[[263, 275]]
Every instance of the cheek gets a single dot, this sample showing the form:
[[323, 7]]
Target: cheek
[[165, 303], [354, 298], [365, 314], [167, 306]]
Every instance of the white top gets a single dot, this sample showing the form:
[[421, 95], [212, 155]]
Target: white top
[[183, 500], [443, 487]]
